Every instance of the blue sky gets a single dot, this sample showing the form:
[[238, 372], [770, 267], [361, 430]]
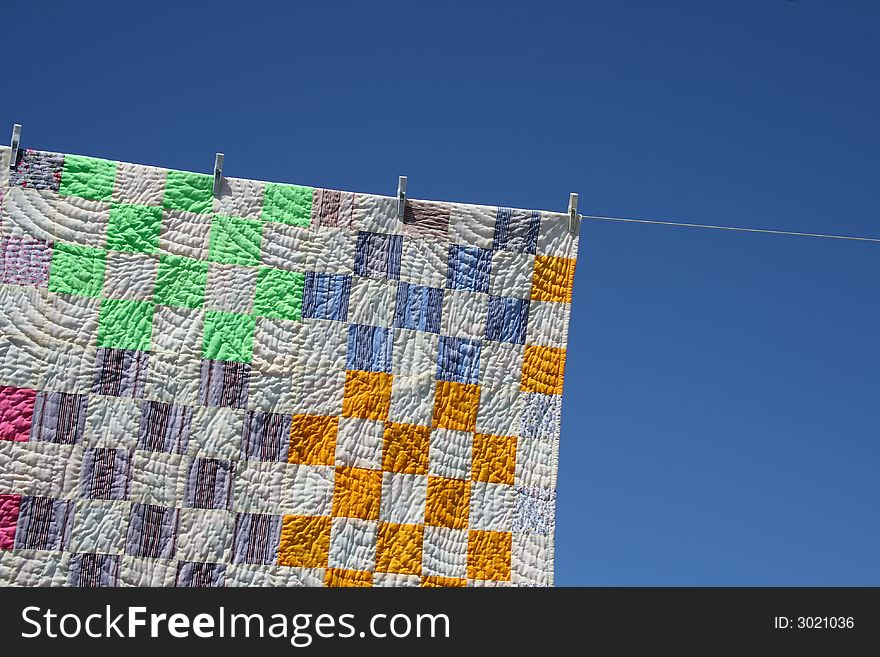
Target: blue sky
[[720, 423]]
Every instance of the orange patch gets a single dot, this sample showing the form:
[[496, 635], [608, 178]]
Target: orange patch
[[446, 582], [340, 577], [367, 395], [456, 406], [399, 549], [406, 448], [305, 541], [553, 279], [313, 439], [494, 459], [356, 493], [448, 502], [543, 369], [489, 555]]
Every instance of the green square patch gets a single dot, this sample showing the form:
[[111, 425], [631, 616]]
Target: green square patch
[[87, 177], [134, 228], [228, 336], [125, 324], [180, 282], [77, 270], [279, 294], [236, 241], [288, 204], [191, 192]]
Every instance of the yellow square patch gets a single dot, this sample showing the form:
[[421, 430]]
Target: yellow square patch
[[305, 541], [367, 395], [456, 406], [406, 448], [553, 279], [399, 549], [346, 578], [489, 555], [356, 493], [494, 459], [313, 439], [444, 582], [543, 369], [448, 503]]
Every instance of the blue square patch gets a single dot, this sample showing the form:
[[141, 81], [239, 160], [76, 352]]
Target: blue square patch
[[418, 307], [468, 268], [516, 230], [369, 348], [458, 359], [507, 320], [325, 296], [378, 256]]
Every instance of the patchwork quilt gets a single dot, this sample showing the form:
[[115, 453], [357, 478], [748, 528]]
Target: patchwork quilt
[[277, 385]]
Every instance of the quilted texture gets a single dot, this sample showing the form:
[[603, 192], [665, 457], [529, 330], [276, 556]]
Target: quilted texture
[[279, 385]]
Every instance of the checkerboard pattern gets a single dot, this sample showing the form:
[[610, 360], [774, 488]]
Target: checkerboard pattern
[[273, 386]]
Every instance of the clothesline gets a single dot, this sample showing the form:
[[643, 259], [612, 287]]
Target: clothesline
[[733, 228]]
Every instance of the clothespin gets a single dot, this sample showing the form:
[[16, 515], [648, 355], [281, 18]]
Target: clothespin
[[573, 216], [16, 140], [401, 197], [218, 172]]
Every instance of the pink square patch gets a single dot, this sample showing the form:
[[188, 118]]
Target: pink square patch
[[9, 506], [16, 413]]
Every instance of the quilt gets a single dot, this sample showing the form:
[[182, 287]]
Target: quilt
[[276, 385]]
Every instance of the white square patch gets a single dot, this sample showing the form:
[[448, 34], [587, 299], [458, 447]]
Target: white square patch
[[258, 486], [286, 247], [278, 344], [511, 274], [324, 345], [112, 422], [100, 526], [130, 276], [359, 443], [372, 301], [500, 363], [231, 288], [307, 490], [423, 262], [178, 331], [185, 234], [536, 462], [173, 378], [377, 214], [531, 560], [331, 250], [322, 392], [554, 237], [444, 552], [464, 314], [216, 432], [137, 184], [500, 410], [239, 198], [158, 478], [415, 353], [412, 399], [205, 535], [450, 454], [353, 544], [548, 323], [492, 506], [473, 225], [403, 498]]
